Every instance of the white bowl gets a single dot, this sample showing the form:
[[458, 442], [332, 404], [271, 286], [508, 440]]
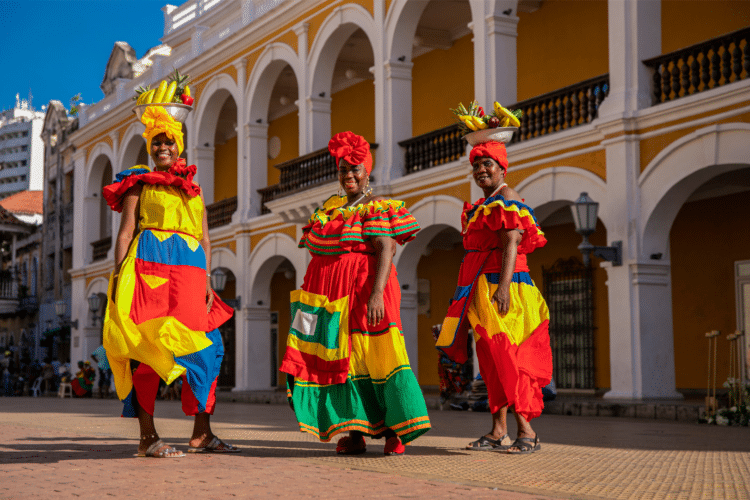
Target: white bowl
[[176, 110], [499, 134]]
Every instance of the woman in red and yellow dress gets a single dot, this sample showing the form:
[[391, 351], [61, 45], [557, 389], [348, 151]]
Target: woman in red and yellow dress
[[162, 315], [346, 359], [497, 297], [83, 382]]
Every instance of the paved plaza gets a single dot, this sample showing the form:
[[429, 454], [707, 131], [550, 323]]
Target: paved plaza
[[64, 448]]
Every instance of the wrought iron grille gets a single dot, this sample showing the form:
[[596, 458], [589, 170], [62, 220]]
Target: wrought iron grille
[[569, 292]]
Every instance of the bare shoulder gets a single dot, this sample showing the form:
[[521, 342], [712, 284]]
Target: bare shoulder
[[510, 194]]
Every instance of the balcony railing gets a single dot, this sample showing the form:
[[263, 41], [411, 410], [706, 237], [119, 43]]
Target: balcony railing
[[433, 148], [301, 173], [546, 114], [700, 67], [101, 247], [562, 109], [220, 213]]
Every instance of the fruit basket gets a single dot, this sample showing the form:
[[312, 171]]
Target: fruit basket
[[177, 111], [499, 134]]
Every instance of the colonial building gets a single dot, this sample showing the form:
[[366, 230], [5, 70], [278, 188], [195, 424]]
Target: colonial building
[[21, 149], [20, 253], [643, 105], [57, 251]]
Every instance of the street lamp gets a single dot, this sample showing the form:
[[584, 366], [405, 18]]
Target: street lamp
[[95, 302], [585, 214], [219, 282], [60, 309]]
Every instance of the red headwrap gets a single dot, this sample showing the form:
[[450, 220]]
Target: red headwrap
[[352, 148], [493, 149]]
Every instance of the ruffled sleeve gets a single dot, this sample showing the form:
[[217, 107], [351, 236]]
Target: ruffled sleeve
[[114, 194], [388, 218], [497, 213]]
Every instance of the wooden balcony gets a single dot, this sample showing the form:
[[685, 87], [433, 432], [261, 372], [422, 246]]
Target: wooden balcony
[[303, 172], [700, 67], [101, 248], [220, 213]]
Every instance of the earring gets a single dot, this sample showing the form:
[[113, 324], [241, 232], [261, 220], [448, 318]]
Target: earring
[[339, 192], [368, 189]]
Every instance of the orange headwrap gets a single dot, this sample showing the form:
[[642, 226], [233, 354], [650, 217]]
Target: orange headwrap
[[493, 149], [352, 148], [158, 121]]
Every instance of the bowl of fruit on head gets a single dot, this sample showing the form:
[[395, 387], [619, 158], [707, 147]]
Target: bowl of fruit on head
[[482, 127], [172, 94]]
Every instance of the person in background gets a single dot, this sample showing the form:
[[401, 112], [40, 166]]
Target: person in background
[[105, 372]]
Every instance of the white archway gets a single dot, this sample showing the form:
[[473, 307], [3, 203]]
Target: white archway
[[95, 210], [329, 40], [551, 188], [678, 170], [202, 135], [130, 147]]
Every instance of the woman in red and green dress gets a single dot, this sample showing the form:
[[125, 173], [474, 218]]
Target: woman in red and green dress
[[346, 360]]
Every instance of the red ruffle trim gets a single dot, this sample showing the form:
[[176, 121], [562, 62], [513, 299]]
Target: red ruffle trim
[[500, 218], [115, 193]]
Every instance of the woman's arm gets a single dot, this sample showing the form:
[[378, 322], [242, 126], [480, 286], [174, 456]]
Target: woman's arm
[[128, 228], [510, 240], [206, 244], [385, 249]]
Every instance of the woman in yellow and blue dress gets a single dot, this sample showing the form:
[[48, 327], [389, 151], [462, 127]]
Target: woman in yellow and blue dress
[[496, 296], [346, 359], [162, 315]]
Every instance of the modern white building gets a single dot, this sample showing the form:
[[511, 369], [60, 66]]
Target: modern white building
[[21, 149]]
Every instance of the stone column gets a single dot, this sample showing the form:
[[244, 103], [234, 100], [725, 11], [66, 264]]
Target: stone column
[[318, 122], [254, 350], [257, 172], [305, 144], [393, 119], [495, 68], [244, 195], [409, 323], [204, 158]]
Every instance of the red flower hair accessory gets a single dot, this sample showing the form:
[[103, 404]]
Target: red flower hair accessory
[[180, 169], [493, 149], [351, 147]]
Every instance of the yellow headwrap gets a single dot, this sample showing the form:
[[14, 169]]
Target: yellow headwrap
[[158, 121]]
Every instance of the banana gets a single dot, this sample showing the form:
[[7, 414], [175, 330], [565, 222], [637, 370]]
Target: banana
[[141, 96], [170, 91], [507, 118], [187, 90], [149, 96], [160, 92], [468, 122], [478, 123]]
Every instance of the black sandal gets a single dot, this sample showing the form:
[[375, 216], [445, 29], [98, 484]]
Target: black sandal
[[524, 445], [486, 444]]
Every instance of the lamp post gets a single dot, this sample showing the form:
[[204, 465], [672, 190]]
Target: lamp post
[[61, 309], [585, 214], [219, 282], [95, 302]]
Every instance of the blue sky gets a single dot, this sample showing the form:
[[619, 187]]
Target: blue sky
[[58, 48]]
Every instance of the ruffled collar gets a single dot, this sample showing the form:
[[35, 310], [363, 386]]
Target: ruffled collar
[[180, 169]]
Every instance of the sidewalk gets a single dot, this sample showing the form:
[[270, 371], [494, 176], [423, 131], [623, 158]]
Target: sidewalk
[[572, 405], [63, 448]]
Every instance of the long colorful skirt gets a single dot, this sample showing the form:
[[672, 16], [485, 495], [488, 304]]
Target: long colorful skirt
[[515, 358], [159, 317], [377, 389]]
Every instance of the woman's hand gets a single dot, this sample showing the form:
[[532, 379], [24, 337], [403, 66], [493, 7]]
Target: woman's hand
[[375, 308], [502, 298], [209, 295]]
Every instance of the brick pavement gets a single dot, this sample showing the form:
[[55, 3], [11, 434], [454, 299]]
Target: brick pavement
[[54, 448]]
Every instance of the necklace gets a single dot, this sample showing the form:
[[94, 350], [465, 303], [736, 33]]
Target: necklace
[[347, 204], [497, 190]]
